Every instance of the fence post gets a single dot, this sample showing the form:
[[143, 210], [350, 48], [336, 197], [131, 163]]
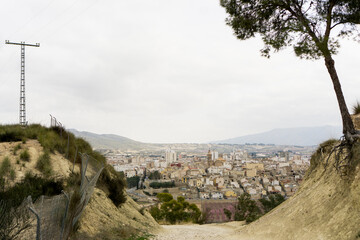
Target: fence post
[[75, 159], [65, 215], [38, 230]]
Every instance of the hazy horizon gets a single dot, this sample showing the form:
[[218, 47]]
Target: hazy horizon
[[217, 141], [160, 71]]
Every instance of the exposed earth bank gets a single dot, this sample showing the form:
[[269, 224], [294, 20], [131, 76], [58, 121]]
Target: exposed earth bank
[[326, 207]]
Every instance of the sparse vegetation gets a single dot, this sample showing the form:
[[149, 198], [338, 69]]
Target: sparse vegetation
[[13, 221], [44, 164], [6, 172], [16, 148], [356, 108], [25, 156], [323, 149], [33, 186], [5, 167], [142, 211], [53, 140], [56, 139], [112, 183], [12, 174]]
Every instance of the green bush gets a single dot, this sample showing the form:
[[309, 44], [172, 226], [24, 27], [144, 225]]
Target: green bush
[[273, 201], [31, 185], [157, 185], [356, 108], [56, 139], [73, 181], [133, 181], [164, 197], [25, 156], [227, 213], [155, 175], [113, 184], [16, 148], [246, 209], [13, 221], [5, 167], [323, 150], [12, 174], [53, 139], [147, 193], [173, 211], [156, 213], [44, 164]]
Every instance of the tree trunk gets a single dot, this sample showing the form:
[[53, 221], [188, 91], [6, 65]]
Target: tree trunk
[[348, 125]]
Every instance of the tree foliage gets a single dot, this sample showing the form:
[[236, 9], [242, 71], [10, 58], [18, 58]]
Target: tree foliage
[[133, 181], [273, 201], [162, 184], [227, 213], [173, 211], [155, 175], [246, 209], [306, 25], [164, 197]]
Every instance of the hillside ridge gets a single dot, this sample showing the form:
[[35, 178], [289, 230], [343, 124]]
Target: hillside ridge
[[300, 136]]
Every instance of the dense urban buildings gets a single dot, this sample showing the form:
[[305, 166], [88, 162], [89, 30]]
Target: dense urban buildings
[[218, 175]]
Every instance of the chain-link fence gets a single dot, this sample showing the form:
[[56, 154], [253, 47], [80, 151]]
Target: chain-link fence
[[51, 217]]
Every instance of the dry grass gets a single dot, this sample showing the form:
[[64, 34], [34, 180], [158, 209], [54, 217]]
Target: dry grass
[[356, 108]]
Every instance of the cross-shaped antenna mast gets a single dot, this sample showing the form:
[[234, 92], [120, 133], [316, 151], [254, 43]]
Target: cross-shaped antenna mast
[[22, 79]]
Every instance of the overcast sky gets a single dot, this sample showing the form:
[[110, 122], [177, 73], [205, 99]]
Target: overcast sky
[[159, 71]]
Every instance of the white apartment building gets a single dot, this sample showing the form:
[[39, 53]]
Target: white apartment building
[[170, 156]]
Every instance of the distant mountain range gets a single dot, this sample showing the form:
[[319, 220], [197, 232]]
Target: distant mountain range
[[109, 141], [306, 136], [303, 136]]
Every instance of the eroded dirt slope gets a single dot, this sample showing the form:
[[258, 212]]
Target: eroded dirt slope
[[326, 207]]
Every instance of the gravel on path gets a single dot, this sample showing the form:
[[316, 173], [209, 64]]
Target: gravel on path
[[216, 231]]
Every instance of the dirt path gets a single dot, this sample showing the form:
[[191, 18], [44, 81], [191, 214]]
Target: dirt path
[[220, 231]]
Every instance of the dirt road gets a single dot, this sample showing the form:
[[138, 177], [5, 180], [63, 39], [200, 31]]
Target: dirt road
[[220, 231]]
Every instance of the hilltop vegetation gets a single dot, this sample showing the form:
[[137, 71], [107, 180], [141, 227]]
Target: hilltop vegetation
[[36, 161], [58, 140]]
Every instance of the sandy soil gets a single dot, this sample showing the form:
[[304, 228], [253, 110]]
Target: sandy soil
[[102, 220], [60, 165], [216, 231]]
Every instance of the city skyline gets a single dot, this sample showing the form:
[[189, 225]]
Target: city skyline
[[160, 71]]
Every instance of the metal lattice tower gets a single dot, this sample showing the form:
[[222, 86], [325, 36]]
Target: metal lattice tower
[[22, 117]]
